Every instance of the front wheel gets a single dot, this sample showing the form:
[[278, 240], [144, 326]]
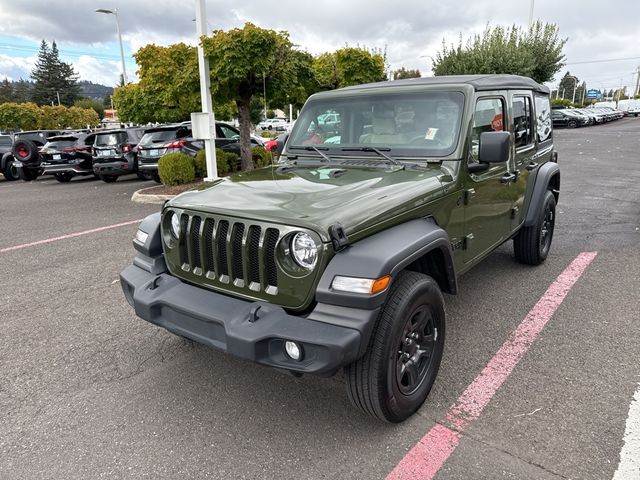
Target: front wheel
[[143, 175], [393, 378], [108, 178], [572, 124], [532, 244]]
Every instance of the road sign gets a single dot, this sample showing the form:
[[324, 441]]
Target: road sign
[[593, 93]]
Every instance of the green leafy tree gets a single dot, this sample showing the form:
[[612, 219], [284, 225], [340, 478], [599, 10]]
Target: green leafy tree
[[403, 73], [348, 66], [19, 116], [168, 90], [535, 53], [242, 60], [95, 105], [53, 78], [567, 84]]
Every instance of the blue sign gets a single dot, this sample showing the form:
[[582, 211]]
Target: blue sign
[[593, 93]]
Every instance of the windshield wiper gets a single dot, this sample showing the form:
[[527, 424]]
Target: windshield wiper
[[324, 156], [391, 160]]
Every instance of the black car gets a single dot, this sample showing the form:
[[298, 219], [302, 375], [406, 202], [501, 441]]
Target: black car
[[164, 139], [115, 154], [66, 156], [568, 118]]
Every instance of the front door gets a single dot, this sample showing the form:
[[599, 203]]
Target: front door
[[488, 194]]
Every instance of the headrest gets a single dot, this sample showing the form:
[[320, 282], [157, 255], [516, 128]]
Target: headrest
[[383, 125]]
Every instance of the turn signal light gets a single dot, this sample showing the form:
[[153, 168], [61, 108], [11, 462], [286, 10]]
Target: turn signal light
[[361, 285]]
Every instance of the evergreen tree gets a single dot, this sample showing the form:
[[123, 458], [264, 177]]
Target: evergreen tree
[[403, 73], [22, 91], [55, 81], [6, 91]]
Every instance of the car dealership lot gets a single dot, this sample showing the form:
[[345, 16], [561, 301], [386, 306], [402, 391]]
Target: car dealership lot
[[87, 390]]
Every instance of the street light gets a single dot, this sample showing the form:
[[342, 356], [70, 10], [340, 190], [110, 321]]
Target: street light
[[115, 12]]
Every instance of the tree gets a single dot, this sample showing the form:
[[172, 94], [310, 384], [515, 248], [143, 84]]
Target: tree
[[242, 61], [348, 66], [6, 91], [567, 84], [55, 81], [169, 87], [86, 103], [19, 116], [403, 73], [535, 53], [22, 91]]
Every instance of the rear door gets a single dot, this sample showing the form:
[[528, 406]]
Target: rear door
[[524, 152]]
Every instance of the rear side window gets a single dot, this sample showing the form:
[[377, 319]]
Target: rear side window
[[5, 141], [110, 139], [543, 118], [60, 144], [522, 121]]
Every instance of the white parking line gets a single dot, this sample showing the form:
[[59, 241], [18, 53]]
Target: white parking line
[[629, 467], [70, 235]]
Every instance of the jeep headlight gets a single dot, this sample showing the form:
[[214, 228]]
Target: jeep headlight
[[175, 225], [304, 250]]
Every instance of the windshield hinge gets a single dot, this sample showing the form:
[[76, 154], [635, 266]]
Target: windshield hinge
[[338, 236]]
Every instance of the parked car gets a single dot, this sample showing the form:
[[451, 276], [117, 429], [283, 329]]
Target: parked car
[[158, 141], [278, 124], [568, 118], [66, 156], [24, 158], [114, 154], [6, 143], [595, 117], [337, 257]]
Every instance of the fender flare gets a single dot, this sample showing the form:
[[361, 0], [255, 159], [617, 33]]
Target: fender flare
[[386, 253], [545, 173], [5, 158]]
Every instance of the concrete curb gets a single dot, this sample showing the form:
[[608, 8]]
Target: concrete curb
[[141, 197]]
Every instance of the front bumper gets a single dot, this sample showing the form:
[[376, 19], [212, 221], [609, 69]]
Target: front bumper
[[331, 336]]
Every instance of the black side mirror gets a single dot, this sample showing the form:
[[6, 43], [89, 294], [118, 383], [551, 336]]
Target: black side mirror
[[494, 147], [281, 140]]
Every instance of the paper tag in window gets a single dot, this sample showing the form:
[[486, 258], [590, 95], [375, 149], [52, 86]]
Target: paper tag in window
[[430, 134]]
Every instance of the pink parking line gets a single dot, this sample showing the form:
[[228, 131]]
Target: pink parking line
[[426, 458], [70, 235]]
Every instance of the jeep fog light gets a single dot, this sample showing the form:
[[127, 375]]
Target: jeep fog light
[[304, 250], [175, 225], [294, 351], [141, 237], [360, 285]]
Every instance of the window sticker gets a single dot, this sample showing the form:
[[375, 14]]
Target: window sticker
[[496, 123], [430, 134]]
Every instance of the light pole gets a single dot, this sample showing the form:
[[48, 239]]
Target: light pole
[[115, 12], [531, 13], [575, 86]]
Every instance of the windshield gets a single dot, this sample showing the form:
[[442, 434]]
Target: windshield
[[408, 124], [60, 144], [159, 136], [109, 139]]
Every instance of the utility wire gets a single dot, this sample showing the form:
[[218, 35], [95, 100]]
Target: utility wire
[[603, 60]]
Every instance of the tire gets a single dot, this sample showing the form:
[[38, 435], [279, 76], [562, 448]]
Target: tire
[[28, 174], [532, 244], [379, 383], [63, 177], [10, 171], [142, 175], [25, 151], [156, 177], [108, 178], [572, 124]]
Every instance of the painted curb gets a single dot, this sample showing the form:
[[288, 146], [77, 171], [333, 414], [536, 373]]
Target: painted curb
[[140, 197]]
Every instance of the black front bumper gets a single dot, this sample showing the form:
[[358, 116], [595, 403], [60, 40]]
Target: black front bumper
[[331, 336]]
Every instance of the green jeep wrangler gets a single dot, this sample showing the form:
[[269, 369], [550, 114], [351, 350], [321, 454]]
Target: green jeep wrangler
[[337, 256]]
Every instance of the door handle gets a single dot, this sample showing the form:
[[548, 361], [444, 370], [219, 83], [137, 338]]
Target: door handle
[[508, 178], [531, 166]]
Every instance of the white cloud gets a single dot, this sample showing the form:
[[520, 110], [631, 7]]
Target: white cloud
[[15, 68]]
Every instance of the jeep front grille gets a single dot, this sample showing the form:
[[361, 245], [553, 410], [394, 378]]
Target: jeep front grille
[[229, 252]]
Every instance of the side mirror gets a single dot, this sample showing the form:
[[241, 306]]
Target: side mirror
[[494, 147], [281, 140]]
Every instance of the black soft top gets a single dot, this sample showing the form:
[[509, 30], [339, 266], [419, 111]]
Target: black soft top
[[478, 82]]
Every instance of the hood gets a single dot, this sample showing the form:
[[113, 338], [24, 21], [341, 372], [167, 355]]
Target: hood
[[317, 197]]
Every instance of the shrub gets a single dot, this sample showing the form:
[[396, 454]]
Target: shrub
[[268, 134], [176, 169], [261, 158], [226, 162]]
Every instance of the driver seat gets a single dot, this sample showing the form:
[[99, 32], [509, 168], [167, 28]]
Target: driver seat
[[383, 132]]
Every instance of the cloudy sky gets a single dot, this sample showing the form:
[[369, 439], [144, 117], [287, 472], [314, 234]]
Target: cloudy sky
[[603, 44]]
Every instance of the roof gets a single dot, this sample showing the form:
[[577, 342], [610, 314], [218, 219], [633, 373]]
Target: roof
[[478, 82]]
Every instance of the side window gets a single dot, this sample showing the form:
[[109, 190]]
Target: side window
[[228, 132], [522, 121], [488, 117], [543, 118]]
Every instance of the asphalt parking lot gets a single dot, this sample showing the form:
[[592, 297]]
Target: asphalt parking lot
[[88, 390]]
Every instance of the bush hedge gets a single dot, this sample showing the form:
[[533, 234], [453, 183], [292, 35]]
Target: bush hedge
[[176, 169], [226, 162], [260, 156]]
